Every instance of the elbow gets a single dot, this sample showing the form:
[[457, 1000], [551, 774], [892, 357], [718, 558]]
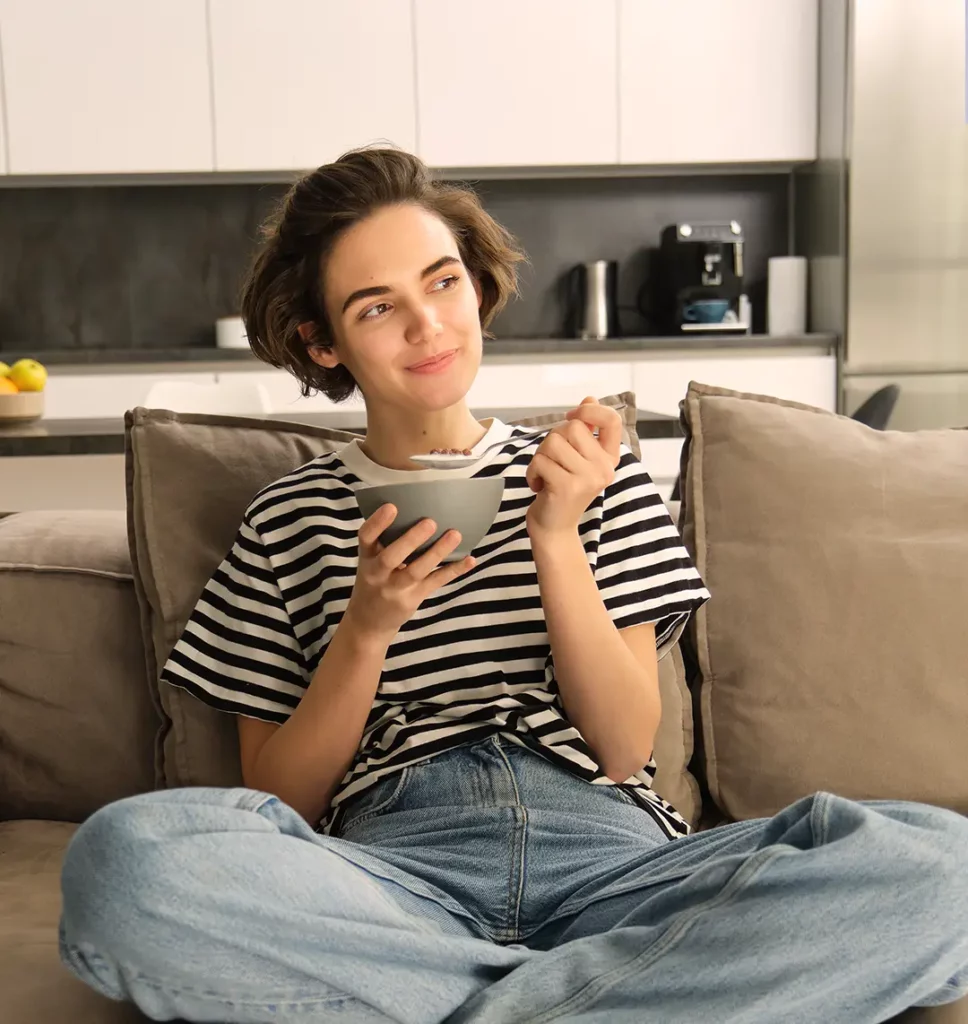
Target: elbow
[[619, 769]]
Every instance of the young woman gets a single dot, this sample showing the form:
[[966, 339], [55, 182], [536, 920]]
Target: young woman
[[448, 812]]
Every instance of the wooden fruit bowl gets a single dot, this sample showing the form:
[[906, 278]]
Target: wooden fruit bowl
[[21, 407]]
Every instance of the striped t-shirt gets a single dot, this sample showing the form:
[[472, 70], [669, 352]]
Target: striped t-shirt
[[473, 660]]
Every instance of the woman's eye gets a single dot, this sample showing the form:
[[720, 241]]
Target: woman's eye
[[374, 309], [443, 285]]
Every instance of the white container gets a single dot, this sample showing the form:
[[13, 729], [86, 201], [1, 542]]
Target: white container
[[230, 333], [786, 300]]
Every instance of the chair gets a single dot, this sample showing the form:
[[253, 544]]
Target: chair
[[874, 412], [228, 397]]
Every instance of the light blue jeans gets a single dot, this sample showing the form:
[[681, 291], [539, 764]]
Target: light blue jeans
[[486, 885]]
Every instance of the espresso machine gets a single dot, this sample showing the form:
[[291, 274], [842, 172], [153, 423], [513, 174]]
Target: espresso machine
[[697, 284]]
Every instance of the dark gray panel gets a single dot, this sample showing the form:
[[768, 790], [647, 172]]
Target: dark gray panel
[[154, 266]]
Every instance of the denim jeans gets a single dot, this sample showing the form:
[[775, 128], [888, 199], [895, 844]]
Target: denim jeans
[[486, 885]]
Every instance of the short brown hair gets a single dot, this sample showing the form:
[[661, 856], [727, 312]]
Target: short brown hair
[[283, 287]]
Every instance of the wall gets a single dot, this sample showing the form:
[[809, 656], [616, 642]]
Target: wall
[[153, 266]]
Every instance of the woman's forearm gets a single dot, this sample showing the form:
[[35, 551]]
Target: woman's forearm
[[306, 758], [608, 694]]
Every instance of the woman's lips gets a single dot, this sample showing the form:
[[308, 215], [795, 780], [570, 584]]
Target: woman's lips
[[441, 362]]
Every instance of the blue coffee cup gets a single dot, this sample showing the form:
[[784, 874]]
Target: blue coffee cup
[[705, 311]]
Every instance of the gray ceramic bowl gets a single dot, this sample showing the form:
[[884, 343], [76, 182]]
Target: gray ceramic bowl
[[466, 505]]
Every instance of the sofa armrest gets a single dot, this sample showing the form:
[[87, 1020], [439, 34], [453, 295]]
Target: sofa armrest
[[78, 726]]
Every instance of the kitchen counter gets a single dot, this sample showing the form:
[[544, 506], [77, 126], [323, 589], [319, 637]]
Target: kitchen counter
[[498, 348], [106, 436]]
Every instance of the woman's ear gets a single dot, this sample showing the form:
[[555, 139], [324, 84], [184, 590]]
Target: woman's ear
[[477, 290], [320, 354]]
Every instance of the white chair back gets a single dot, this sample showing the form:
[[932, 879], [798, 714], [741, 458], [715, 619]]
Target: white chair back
[[227, 397]]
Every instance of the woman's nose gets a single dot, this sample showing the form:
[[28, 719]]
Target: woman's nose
[[425, 324]]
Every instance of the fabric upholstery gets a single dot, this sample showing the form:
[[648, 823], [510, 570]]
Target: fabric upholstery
[[76, 721], [833, 652]]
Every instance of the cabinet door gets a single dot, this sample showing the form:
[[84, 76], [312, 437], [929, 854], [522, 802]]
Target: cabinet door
[[298, 82], [703, 81], [3, 119], [660, 384], [516, 82], [106, 86]]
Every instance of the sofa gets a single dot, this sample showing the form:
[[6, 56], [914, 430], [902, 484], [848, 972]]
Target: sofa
[[832, 655]]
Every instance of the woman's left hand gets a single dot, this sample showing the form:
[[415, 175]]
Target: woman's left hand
[[571, 467]]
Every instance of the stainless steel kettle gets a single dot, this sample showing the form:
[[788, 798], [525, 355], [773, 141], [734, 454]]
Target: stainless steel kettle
[[592, 301]]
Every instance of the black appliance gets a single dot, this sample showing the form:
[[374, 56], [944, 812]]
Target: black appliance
[[696, 286]]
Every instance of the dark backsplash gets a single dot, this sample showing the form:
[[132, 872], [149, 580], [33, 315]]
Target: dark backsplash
[[154, 266]]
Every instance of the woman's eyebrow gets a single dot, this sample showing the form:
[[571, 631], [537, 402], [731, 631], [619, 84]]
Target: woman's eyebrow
[[382, 289]]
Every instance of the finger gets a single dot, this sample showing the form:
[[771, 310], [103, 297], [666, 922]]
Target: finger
[[423, 565], [548, 471], [370, 532], [588, 448], [446, 573], [395, 554], [607, 420], [563, 447]]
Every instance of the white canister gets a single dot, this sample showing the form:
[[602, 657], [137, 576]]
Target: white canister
[[786, 298], [230, 333]]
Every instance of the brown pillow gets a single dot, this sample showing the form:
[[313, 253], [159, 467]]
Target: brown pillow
[[190, 477], [833, 651]]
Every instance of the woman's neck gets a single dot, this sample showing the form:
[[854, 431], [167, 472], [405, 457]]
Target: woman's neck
[[392, 436]]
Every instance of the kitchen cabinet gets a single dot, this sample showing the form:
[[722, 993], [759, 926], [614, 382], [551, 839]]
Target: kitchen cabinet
[[511, 83], [106, 86], [702, 81], [71, 396], [3, 126], [661, 383], [298, 82]]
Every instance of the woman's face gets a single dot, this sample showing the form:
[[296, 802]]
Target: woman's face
[[404, 311]]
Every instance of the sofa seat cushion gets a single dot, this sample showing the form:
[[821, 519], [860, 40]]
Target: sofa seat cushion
[[35, 987], [77, 723]]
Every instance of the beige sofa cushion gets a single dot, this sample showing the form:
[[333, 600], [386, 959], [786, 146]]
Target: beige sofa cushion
[[76, 722], [190, 478], [35, 987], [833, 653]]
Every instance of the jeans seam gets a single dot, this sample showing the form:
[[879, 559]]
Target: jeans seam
[[380, 807], [218, 997], [598, 986], [513, 908], [819, 820]]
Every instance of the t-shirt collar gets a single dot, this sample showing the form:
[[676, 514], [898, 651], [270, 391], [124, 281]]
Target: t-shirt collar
[[361, 465]]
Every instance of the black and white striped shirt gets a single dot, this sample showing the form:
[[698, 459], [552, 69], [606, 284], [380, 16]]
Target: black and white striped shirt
[[473, 660]]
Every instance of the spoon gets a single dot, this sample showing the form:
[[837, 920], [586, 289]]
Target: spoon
[[438, 461]]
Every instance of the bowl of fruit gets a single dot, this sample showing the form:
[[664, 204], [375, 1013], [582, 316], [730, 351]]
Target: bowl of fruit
[[22, 391]]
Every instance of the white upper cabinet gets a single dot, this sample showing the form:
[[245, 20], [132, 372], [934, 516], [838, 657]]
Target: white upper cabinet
[[516, 82], [298, 82], [106, 86], [3, 120], [709, 81]]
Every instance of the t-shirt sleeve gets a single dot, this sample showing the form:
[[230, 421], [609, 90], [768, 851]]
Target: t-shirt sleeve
[[238, 651], [643, 572]]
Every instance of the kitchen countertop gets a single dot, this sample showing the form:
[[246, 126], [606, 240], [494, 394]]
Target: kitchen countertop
[[106, 436], [500, 347]]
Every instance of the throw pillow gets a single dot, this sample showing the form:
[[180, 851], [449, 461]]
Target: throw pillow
[[832, 654]]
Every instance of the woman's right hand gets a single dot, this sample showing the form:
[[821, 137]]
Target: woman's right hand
[[388, 590]]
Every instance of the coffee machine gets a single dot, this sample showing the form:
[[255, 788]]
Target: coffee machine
[[697, 285]]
